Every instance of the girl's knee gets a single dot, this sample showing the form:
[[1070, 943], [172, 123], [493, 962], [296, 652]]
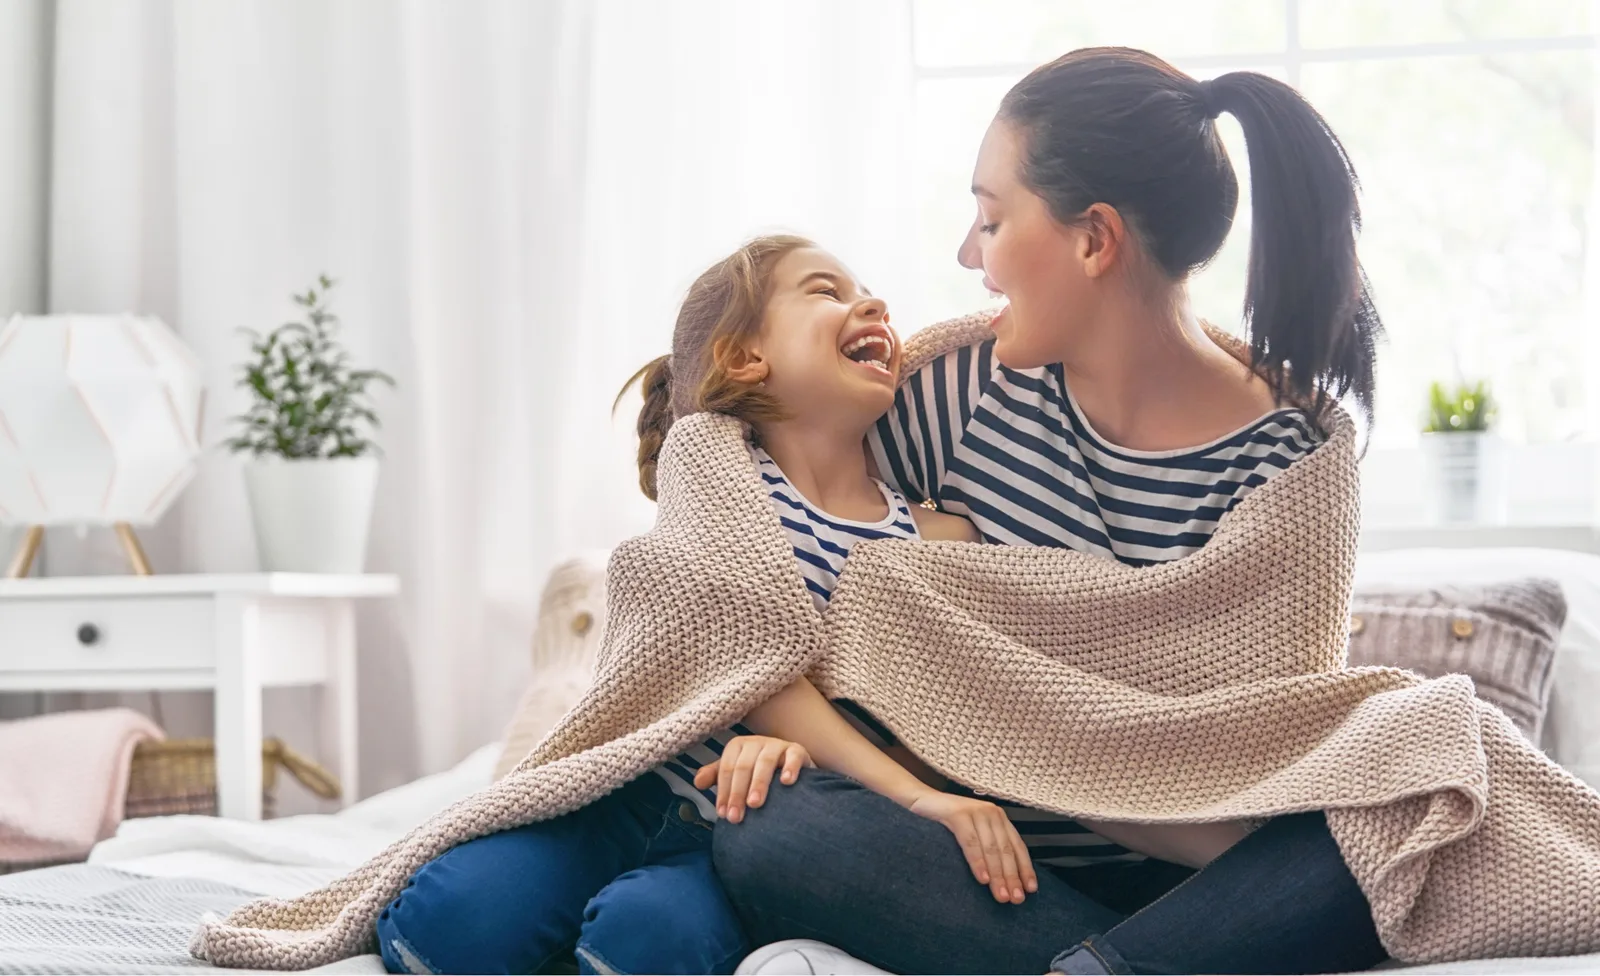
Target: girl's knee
[[662, 921]]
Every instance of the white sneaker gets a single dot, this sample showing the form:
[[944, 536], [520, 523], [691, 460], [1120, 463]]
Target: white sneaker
[[803, 957]]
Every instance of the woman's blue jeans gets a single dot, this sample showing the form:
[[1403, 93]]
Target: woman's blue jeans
[[830, 860], [625, 884]]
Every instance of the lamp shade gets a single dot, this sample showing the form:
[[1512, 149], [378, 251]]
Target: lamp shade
[[100, 419]]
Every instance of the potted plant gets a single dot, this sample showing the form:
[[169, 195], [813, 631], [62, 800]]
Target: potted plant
[[1455, 441], [312, 468]]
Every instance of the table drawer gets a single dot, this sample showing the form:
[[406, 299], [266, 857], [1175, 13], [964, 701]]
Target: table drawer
[[82, 635]]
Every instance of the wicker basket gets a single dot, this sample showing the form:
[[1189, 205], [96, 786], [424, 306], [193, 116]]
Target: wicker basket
[[180, 776]]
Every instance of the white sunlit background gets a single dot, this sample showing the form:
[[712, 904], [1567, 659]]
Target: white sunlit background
[[1471, 124]]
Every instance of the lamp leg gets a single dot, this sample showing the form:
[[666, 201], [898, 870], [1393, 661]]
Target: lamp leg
[[22, 562], [130, 546]]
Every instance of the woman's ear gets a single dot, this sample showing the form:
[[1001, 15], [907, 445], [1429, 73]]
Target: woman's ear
[[1104, 237], [738, 363]]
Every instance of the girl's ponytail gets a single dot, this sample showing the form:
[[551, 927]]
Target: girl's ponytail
[[1307, 302], [655, 417]]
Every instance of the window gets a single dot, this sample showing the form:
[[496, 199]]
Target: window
[[1471, 124]]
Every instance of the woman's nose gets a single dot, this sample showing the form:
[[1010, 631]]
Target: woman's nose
[[968, 255]]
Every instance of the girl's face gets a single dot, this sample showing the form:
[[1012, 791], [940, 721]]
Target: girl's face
[[825, 350], [1037, 263]]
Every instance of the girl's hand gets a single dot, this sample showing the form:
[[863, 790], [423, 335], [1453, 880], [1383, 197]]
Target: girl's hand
[[995, 851], [745, 771]]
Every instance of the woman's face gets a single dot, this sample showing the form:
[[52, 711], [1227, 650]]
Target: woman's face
[[1025, 255]]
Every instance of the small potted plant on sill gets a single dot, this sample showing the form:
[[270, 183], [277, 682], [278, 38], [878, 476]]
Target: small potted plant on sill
[[1455, 444], [312, 468]]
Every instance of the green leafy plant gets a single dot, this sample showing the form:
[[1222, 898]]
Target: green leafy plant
[[307, 401], [1466, 407]]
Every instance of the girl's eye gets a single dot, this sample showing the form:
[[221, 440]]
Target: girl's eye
[[834, 292], [987, 228]]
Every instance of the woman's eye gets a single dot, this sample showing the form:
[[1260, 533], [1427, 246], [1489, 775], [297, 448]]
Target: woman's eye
[[833, 292], [987, 228]]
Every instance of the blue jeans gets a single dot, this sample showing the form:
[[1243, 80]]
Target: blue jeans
[[625, 884], [830, 860]]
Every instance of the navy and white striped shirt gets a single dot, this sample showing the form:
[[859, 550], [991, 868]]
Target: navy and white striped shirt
[[1010, 450], [821, 542]]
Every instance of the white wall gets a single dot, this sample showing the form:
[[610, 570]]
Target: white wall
[[25, 27]]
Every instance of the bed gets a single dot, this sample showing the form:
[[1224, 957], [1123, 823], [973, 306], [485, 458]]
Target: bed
[[133, 905]]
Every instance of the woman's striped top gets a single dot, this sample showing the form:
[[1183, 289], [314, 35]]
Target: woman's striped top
[[821, 542], [1011, 451]]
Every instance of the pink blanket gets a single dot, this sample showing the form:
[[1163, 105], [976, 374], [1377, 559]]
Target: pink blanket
[[63, 781]]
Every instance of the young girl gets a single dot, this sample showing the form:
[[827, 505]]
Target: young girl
[[781, 335]]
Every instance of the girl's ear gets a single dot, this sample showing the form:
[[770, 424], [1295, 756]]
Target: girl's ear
[[738, 363]]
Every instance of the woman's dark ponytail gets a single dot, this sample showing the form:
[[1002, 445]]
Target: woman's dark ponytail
[[1307, 302], [1122, 127], [655, 417]]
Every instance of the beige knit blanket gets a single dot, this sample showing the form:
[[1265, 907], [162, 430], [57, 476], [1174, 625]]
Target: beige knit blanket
[[1211, 687]]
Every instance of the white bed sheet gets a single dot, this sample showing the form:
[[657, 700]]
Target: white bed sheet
[[292, 855]]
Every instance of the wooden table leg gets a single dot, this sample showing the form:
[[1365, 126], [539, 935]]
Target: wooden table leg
[[22, 562], [132, 549], [238, 707]]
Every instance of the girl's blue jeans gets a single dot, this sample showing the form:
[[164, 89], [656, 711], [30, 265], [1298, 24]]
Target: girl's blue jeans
[[624, 884]]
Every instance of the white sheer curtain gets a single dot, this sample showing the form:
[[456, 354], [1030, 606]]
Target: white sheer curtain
[[514, 196]]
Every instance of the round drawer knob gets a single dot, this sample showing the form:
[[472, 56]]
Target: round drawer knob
[[88, 634], [582, 622], [1461, 627]]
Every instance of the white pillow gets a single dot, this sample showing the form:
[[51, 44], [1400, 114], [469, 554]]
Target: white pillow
[[566, 641], [1572, 725]]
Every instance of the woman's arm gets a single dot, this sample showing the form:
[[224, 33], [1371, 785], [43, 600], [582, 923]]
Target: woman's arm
[[1192, 845], [943, 527]]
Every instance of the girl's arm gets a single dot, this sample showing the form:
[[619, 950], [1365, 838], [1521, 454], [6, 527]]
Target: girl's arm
[[800, 714]]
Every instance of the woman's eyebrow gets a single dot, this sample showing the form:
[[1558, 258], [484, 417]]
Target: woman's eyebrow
[[978, 190]]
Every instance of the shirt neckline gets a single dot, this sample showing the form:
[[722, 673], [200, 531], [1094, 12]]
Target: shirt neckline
[[887, 521]]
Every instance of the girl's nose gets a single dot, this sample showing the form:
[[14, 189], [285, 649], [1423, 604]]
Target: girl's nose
[[875, 309]]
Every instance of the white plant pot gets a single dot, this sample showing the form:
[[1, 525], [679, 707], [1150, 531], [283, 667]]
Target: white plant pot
[[311, 516], [1459, 477]]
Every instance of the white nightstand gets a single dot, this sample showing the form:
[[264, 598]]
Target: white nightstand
[[232, 634]]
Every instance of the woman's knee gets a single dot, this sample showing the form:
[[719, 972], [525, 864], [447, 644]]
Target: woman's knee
[[780, 838]]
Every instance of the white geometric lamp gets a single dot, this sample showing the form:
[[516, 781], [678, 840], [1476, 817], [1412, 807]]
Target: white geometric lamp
[[100, 424]]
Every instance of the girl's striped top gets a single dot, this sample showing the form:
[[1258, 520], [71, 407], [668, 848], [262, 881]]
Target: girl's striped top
[[1010, 450], [821, 542]]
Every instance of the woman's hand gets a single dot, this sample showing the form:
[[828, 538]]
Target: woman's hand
[[745, 770], [995, 851]]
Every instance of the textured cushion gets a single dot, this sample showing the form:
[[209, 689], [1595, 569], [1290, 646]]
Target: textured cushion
[[565, 642], [1502, 635]]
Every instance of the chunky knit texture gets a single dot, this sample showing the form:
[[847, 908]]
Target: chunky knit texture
[[1211, 687]]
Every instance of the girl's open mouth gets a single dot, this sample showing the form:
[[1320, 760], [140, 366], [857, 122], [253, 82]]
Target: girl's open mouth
[[874, 351]]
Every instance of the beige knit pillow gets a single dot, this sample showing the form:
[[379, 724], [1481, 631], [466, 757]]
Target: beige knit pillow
[[566, 639], [1502, 635]]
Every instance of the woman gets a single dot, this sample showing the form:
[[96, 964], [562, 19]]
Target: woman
[[1103, 417]]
